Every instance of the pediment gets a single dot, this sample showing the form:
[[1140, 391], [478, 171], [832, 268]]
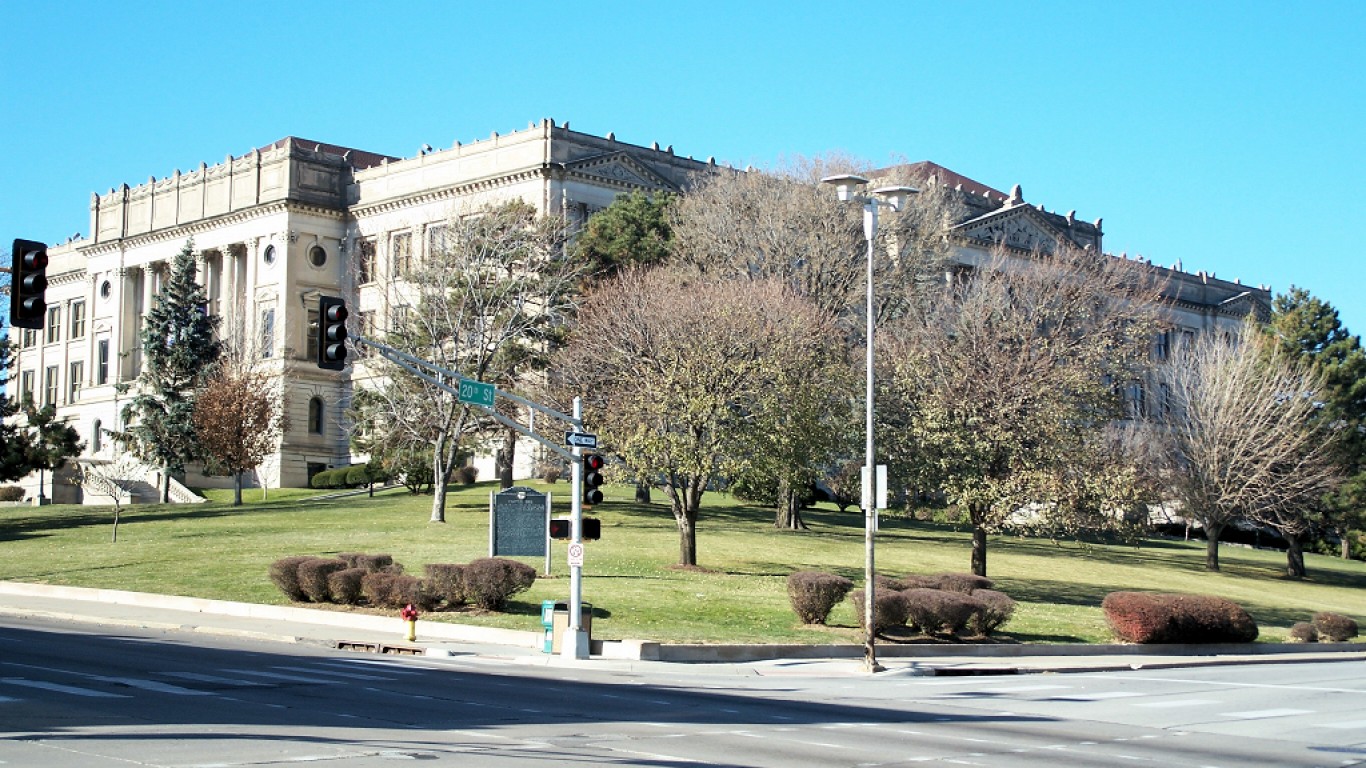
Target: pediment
[[1020, 226], [1246, 303], [621, 169]]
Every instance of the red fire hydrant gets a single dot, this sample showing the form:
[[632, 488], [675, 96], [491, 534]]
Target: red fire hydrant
[[409, 614]]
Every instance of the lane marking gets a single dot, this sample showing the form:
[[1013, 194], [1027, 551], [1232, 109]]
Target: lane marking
[[58, 688], [283, 677], [200, 678], [1348, 725], [347, 675], [1257, 714], [1174, 704], [1102, 696], [155, 687]]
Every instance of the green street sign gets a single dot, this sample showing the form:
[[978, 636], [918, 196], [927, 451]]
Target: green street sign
[[476, 393]]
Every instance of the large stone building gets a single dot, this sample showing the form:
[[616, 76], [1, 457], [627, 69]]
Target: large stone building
[[283, 224]]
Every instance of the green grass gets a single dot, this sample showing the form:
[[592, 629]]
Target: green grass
[[217, 551]]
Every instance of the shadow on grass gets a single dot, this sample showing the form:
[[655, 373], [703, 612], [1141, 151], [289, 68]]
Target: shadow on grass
[[72, 518]]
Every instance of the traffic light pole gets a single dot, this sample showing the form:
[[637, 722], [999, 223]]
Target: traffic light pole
[[575, 643]]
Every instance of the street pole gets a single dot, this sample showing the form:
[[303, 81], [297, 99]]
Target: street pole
[[574, 644], [869, 469]]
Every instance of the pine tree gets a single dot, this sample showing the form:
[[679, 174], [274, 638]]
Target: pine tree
[[16, 446], [180, 352]]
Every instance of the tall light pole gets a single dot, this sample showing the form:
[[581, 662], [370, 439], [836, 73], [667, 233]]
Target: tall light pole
[[846, 188]]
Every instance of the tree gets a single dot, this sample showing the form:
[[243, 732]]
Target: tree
[[51, 442], [112, 479], [16, 445], [996, 387], [179, 352], [1307, 329], [633, 231], [1243, 439], [238, 419], [683, 374], [494, 286]]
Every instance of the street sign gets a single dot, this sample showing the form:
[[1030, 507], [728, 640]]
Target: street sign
[[476, 393], [581, 440], [575, 555]]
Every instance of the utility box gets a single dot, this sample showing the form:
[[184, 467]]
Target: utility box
[[555, 620]]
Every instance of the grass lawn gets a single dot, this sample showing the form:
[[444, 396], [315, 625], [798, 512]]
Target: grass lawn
[[739, 595]]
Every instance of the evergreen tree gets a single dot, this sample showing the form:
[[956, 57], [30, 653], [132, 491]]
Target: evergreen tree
[[180, 352], [15, 443], [632, 231], [51, 441]]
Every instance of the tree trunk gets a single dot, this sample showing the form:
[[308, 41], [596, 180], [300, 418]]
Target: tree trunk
[[237, 489], [642, 493], [166, 486], [1294, 556], [1345, 543], [789, 513], [687, 537], [1212, 532], [117, 509], [979, 541], [438, 485], [506, 458]]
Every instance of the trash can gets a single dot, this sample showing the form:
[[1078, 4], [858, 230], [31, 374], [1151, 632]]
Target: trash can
[[555, 620]]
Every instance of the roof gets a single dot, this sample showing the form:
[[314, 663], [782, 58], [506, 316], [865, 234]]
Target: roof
[[358, 158], [924, 169]]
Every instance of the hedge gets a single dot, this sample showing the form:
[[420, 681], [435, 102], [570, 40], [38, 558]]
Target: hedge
[[1142, 617]]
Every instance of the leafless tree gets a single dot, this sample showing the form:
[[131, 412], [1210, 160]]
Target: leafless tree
[[1241, 440], [114, 480], [238, 418]]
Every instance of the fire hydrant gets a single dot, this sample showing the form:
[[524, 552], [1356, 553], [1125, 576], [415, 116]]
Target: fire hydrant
[[409, 614]]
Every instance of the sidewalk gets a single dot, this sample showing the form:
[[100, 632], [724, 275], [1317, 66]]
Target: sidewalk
[[387, 634]]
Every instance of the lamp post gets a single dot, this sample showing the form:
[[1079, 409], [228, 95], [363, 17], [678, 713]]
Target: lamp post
[[846, 188]]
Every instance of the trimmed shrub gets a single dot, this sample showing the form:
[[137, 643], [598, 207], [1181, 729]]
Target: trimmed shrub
[[313, 578], [466, 475], [888, 584], [964, 583], [284, 573], [1304, 632], [1140, 617], [445, 582], [358, 475], [394, 590], [1334, 627], [344, 586], [371, 563], [490, 581], [814, 594], [919, 581], [11, 493], [997, 608], [936, 612], [889, 610]]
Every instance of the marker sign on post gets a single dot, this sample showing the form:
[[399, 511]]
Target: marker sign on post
[[476, 393]]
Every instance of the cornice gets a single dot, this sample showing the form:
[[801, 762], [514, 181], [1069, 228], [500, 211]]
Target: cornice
[[183, 231], [439, 194]]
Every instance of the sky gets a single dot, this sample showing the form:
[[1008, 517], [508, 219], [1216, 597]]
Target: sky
[[1224, 135]]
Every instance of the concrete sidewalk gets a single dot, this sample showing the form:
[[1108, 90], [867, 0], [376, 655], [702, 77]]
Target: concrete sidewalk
[[387, 634]]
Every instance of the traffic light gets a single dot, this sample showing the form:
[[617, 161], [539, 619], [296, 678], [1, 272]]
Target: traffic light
[[592, 529], [331, 333], [592, 478], [28, 284], [561, 528]]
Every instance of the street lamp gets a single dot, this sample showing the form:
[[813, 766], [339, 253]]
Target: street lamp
[[847, 189]]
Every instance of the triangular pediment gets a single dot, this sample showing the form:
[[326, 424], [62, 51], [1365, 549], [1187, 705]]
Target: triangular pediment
[[621, 169], [1245, 303], [1019, 226]]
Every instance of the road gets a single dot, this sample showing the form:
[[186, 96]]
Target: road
[[77, 697]]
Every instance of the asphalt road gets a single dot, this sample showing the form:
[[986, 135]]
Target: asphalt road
[[76, 697]]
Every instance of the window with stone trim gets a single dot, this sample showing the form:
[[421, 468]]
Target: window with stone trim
[[315, 416], [74, 373], [76, 321], [102, 361], [54, 325], [50, 385], [365, 261], [401, 254], [26, 386], [367, 330], [266, 332]]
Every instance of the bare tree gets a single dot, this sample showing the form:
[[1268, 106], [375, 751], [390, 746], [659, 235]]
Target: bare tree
[[1241, 438], [115, 480], [998, 388], [238, 419], [494, 284]]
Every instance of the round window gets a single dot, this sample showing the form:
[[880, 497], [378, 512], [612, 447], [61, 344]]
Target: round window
[[269, 255], [317, 256], [106, 289]]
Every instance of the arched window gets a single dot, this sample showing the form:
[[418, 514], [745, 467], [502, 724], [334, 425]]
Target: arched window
[[96, 436], [315, 416]]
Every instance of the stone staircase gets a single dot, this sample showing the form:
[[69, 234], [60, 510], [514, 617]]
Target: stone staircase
[[126, 480]]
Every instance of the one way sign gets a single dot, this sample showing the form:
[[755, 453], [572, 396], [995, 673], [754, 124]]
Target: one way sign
[[580, 440]]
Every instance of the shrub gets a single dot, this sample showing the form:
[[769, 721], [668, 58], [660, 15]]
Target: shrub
[[814, 594], [997, 608], [889, 610], [919, 581], [284, 573], [371, 563], [395, 590], [344, 586], [1334, 627], [1139, 617], [965, 583], [313, 578], [936, 612], [490, 581], [889, 584], [358, 475], [1304, 632], [445, 582], [330, 478], [467, 474], [551, 473], [11, 493]]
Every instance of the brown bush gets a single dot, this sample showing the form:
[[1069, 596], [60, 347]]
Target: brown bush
[[889, 610], [491, 581], [1140, 617], [936, 612], [997, 609], [284, 573], [445, 583], [1304, 632], [1334, 627], [814, 594], [963, 583], [918, 581], [11, 493], [313, 577], [466, 475], [344, 586], [395, 590]]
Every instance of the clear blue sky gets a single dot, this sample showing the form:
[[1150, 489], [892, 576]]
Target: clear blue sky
[[1228, 135]]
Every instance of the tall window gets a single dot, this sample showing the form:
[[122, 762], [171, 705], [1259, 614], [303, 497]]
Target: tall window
[[77, 320], [50, 385], [74, 374], [436, 241], [365, 262], [367, 329], [30, 337], [401, 254], [1162, 345], [26, 386], [96, 436], [102, 362], [54, 325], [311, 347], [268, 332], [315, 416]]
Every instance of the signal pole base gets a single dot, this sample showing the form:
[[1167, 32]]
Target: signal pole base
[[574, 644]]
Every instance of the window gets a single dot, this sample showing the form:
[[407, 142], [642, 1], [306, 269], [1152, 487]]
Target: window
[[30, 337], [398, 320], [315, 416], [311, 347], [106, 289], [436, 240], [77, 320], [365, 262], [1162, 345], [96, 436], [1164, 402], [268, 332], [50, 385], [54, 325], [317, 256], [401, 254], [26, 386], [367, 330], [102, 362], [74, 373], [268, 256], [1135, 400]]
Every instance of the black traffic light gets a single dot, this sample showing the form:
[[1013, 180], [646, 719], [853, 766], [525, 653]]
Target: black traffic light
[[592, 529], [28, 285], [331, 333], [592, 478], [561, 528]]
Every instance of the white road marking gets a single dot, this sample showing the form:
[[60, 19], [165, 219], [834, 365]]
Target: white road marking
[[155, 687], [1347, 725], [347, 675], [1021, 688], [198, 678], [1257, 714], [1174, 704], [57, 688], [1102, 696], [283, 677]]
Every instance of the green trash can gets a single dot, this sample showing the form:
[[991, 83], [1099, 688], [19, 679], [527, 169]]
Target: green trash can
[[548, 608]]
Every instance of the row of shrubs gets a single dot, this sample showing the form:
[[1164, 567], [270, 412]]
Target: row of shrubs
[[376, 580], [940, 605], [354, 476], [11, 493], [1142, 617], [1327, 627]]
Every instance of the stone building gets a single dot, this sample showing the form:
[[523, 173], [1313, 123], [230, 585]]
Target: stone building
[[283, 224]]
